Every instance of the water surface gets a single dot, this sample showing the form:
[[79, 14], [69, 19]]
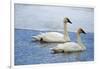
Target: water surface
[[33, 52]]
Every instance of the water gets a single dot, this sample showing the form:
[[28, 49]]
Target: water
[[33, 52]]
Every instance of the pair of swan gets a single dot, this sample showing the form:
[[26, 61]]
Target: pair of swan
[[55, 36], [68, 46]]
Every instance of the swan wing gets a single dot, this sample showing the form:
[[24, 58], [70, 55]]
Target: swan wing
[[68, 47], [50, 37], [54, 34], [71, 46], [53, 37]]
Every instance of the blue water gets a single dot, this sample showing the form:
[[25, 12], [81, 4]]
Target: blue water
[[33, 52]]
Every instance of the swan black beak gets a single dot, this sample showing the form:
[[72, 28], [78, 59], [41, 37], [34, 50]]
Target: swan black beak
[[83, 31], [69, 21]]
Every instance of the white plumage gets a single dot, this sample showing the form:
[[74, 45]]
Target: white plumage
[[51, 37]]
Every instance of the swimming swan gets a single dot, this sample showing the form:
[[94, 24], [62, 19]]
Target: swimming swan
[[71, 46], [55, 36]]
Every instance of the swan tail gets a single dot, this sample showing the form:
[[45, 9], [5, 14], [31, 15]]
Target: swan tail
[[38, 37], [56, 50], [35, 38], [53, 50]]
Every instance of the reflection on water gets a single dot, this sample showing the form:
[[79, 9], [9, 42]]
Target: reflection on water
[[34, 52]]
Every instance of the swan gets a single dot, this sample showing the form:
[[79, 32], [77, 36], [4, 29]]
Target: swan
[[71, 46], [55, 36]]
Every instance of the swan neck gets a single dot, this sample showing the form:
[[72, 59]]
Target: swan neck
[[65, 31], [79, 39]]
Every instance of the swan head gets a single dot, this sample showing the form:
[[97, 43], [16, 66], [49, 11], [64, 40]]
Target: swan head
[[80, 30], [67, 20]]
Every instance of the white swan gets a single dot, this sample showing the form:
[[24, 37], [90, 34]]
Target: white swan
[[55, 36], [71, 46]]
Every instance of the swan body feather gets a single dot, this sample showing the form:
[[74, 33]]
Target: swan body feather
[[69, 47], [51, 37]]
